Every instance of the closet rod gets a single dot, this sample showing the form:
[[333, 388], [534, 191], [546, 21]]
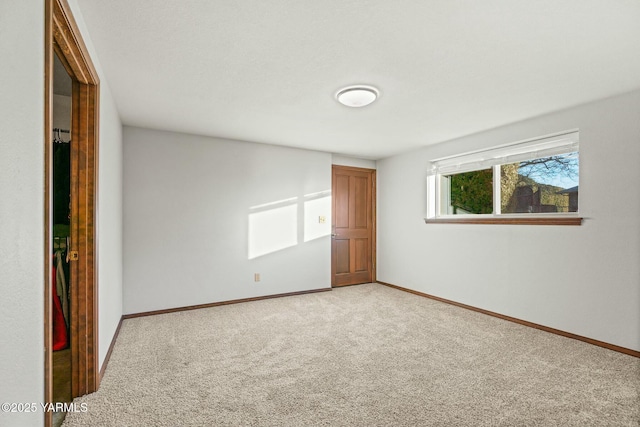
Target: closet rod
[[61, 130]]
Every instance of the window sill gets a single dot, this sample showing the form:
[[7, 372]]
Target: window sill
[[573, 220]]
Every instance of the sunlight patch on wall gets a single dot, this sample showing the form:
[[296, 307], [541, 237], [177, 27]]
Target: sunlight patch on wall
[[273, 227]]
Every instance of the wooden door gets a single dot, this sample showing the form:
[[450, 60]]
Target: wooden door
[[353, 216]]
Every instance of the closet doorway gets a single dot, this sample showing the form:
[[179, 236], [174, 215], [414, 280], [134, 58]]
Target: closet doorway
[[73, 237], [61, 233]]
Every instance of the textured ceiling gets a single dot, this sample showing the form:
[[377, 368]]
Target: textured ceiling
[[267, 71]]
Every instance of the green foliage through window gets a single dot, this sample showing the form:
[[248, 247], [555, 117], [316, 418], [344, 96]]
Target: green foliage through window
[[472, 192]]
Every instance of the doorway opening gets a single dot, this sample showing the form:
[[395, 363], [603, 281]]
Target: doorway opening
[[70, 210], [61, 248]]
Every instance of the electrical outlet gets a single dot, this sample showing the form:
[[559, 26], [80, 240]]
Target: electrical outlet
[[256, 277]]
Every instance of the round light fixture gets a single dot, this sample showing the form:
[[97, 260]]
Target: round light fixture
[[357, 96]]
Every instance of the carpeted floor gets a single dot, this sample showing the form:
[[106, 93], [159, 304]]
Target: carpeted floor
[[363, 355]]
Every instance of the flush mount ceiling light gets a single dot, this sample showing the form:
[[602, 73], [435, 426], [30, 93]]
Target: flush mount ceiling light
[[357, 96]]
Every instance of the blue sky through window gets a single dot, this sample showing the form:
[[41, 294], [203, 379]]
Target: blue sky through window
[[560, 171]]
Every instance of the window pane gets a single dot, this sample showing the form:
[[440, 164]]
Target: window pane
[[547, 184], [467, 193]]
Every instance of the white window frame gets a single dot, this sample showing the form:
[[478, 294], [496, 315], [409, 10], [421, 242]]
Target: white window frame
[[546, 146]]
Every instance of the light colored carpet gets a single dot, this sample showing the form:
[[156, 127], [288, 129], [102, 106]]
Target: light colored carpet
[[363, 355]]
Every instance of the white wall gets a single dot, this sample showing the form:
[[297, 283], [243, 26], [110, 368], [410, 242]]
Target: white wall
[[337, 159], [188, 204], [584, 280], [110, 229], [109, 214], [21, 207]]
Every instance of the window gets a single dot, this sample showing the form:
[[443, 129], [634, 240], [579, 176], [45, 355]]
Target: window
[[531, 179]]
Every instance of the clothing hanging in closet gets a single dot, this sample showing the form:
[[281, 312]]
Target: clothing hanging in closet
[[61, 219], [61, 180], [59, 327], [62, 288]]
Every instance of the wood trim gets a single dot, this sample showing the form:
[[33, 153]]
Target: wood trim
[[84, 345], [216, 304], [63, 36], [603, 344], [508, 220], [111, 346], [48, 181], [70, 42], [77, 292], [353, 168], [374, 231], [84, 333]]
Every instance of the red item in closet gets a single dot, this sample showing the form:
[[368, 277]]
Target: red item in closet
[[59, 327]]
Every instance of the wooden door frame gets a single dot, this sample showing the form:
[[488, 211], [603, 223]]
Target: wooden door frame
[[374, 218], [63, 37]]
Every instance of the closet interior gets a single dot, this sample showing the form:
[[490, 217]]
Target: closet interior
[[61, 237]]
